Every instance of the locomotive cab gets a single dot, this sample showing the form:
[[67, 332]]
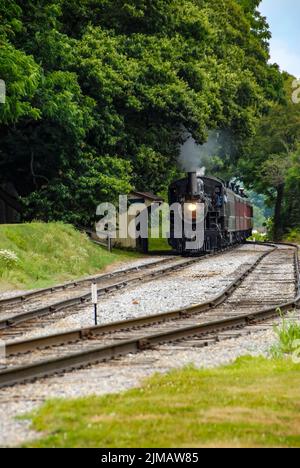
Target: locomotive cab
[[227, 215]]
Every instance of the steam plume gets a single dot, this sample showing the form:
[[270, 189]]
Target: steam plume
[[194, 157]]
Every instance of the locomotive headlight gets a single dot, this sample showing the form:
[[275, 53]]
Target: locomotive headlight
[[191, 207]]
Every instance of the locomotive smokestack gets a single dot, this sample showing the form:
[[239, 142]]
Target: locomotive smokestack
[[192, 184]]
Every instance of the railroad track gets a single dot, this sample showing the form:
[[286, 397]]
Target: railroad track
[[19, 311], [238, 306], [31, 296], [40, 309]]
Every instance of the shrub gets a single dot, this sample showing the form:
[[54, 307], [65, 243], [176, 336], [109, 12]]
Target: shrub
[[258, 237], [8, 259], [288, 333], [293, 235]]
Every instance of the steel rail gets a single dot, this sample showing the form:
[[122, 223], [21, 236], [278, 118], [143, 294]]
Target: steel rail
[[17, 319], [297, 258], [20, 298], [48, 367], [23, 346], [23, 297], [104, 353], [61, 305], [297, 270]]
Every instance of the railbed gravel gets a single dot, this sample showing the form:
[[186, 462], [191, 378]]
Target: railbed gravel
[[193, 285], [120, 266], [118, 376]]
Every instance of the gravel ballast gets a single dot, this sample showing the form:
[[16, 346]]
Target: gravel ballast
[[120, 266], [192, 285], [118, 376]]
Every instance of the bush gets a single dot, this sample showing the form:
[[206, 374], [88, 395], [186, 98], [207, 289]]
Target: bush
[[258, 237], [8, 259], [293, 235], [288, 334]]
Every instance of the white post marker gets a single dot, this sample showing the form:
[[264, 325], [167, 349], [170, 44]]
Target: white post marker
[[95, 301]]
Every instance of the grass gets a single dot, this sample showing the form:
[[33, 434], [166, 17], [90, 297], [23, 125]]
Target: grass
[[157, 241], [258, 237], [48, 254], [293, 236], [252, 403], [288, 333], [159, 245]]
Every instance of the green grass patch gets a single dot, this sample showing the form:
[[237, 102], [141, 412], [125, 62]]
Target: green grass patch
[[293, 236], [252, 403], [158, 230], [38, 255], [159, 245], [258, 237], [288, 333]]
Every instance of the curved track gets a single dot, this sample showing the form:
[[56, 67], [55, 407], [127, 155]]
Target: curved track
[[240, 304], [40, 312], [52, 301]]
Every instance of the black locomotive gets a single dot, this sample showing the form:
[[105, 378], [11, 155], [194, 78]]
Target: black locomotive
[[228, 213]]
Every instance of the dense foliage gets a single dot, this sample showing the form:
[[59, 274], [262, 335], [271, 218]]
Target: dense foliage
[[101, 92], [272, 166]]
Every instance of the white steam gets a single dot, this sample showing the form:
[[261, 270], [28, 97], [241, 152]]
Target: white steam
[[194, 157]]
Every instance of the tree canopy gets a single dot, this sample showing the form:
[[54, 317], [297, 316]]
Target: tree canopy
[[100, 93], [272, 164]]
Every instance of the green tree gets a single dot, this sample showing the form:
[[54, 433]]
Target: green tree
[[271, 164], [102, 92]]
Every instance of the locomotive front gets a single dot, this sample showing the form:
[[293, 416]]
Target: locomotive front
[[213, 215], [187, 219]]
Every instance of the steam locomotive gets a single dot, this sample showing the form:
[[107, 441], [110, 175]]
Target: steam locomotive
[[227, 213]]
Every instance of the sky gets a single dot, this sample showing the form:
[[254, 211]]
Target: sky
[[284, 20]]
